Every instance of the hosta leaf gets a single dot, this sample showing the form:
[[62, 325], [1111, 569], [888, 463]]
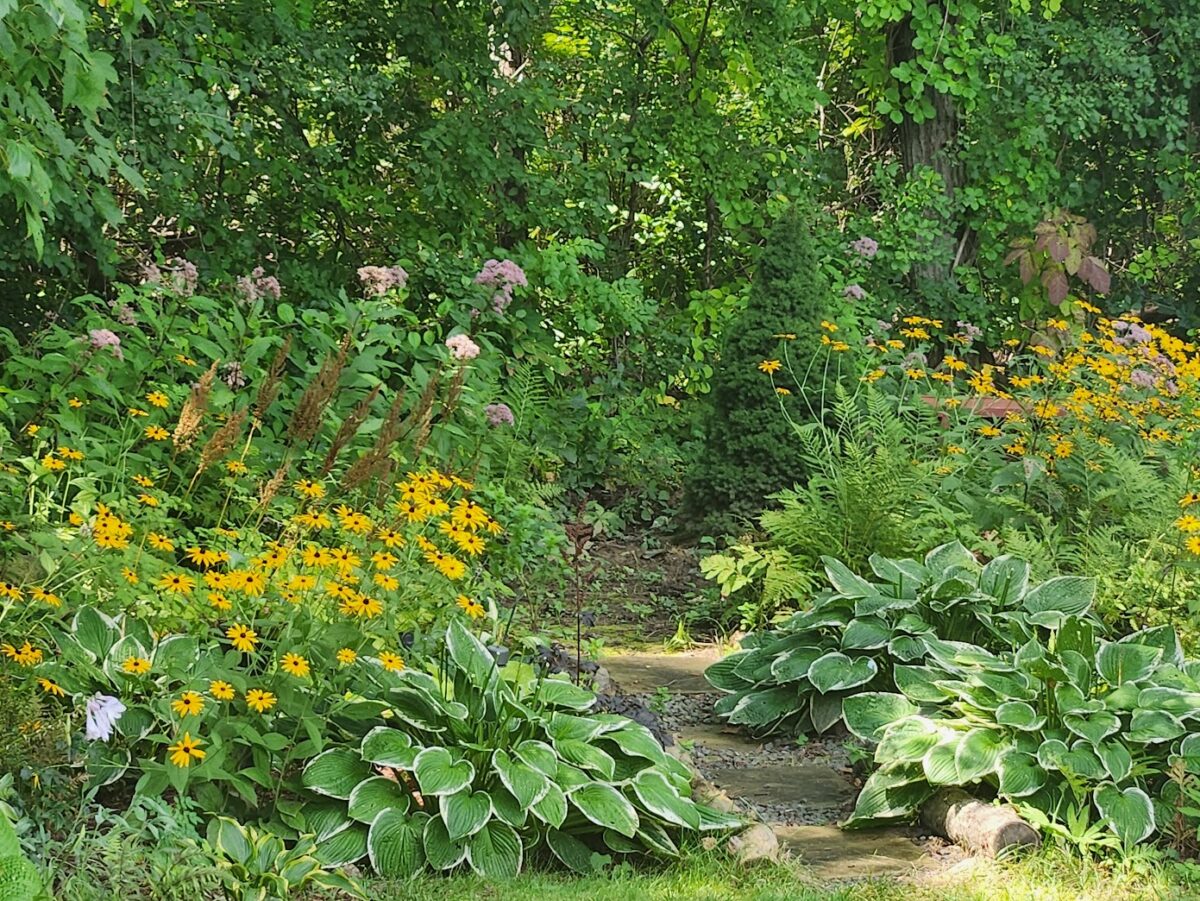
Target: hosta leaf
[[866, 714], [438, 773], [1094, 726], [660, 798], [634, 739], [1020, 775], [1180, 703], [946, 556], [1083, 761], [824, 711], [605, 806], [552, 808], [334, 773], [655, 837], [526, 784], [588, 756], [396, 845], [543, 758], [867, 633], [907, 647], [1129, 813], [1019, 715], [505, 806], [845, 582], [560, 693], [324, 818], [1006, 579], [470, 655], [441, 851], [917, 683], [1067, 595], [1117, 760], [939, 763], [721, 674], [761, 708], [1164, 638], [343, 847], [374, 795], [1154, 726], [793, 665], [904, 572], [889, 794], [465, 813], [978, 754], [1118, 663], [573, 853], [836, 672], [908, 741]]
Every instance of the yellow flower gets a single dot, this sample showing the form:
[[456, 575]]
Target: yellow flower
[[302, 582], [236, 467], [160, 542], [294, 665], [46, 597], [144, 481], [472, 544], [176, 583], [52, 688], [310, 489], [221, 690], [785, 336], [874, 375], [955, 449], [129, 575], [157, 433], [829, 326], [313, 519], [1193, 544], [11, 591], [186, 361], [206, 558], [25, 655], [158, 399], [346, 656], [471, 607], [783, 392], [469, 516], [185, 749], [915, 373], [68, 453], [386, 582], [74, 403], [918, 333], [990, 431], [1191, 498], [390, 538], [243, 637], [220, 601], [76, 519], [1188, 523], [138, 666], [391, 662], [52, 463], [770, 366], [32, 429], [1059, 325], [260, 700], [135, 412], [148, 499], [188, 704]]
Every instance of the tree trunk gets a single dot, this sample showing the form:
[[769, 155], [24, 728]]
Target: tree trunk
[[980, 828]]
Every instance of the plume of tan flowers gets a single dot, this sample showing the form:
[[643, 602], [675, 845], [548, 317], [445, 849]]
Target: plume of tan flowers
[[272, 486], [372, 462], [222, 440], [316, 397], [348, 429], [191, 415], [269, 389]]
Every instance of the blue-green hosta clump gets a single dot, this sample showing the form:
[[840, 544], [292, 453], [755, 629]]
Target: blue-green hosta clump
[[852, 637], [483, 767], [1072, 729]]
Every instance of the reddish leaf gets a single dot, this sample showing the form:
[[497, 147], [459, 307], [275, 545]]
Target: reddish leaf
[[1026, 261], [1055, 281], [1058, 248], [1097, 275], [1073, 260], [1013, 256]]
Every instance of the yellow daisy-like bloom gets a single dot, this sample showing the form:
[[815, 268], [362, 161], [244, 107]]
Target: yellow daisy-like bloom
[[11, 591], [493, 527], [129, 575], [158, 399], [828, 326], [185, 749], [1190, 498], [1188, 523], [990, 431], [221, 690], [783, 392], [1193, 544], [918, 334], [25, 655], [76, 519], [52, 463], [204, 557], [220, 601], [386, 582], [136, 412], [471, 607], [236, 468], [74, 403], [915, 373], [302, 582], [310, 489], [160, 542], [346, 656], [157, 433], [955, 449], [176, 583], [770, 366], [472, 544], [138, 666], [469, 516], [144, 481], [294, 665], [260, 700], [345, 559], [52, 688], [186, 361], [390, 538], [384, 561], [391, 662], [312, 519], [68, 453], [243, 637], [413, 511], [148, 499], [1059, 325], [32, 429], [188, 704], [46, 597], [216, 580]]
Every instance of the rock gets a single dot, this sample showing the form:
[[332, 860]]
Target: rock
[[708, 843], [705, 792], [755, 845], [601, 681]]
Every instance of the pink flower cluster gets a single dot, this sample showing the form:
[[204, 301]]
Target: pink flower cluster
[[181, 276], [499, 414], [258, 285], [462, 347], [102, 337], [502, 276], [865, 247], [378, 280]]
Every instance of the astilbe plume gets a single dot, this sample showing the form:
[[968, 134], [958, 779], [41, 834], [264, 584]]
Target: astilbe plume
[[316, 397], [222, 440], [348, 428], [374, 461], [269, 389], [191, 415], [272, 486], [378, 280]]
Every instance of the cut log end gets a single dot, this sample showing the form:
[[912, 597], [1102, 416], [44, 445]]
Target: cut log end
[[981, 828]]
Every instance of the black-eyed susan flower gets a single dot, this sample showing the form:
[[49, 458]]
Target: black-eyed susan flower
[[221, 690], [471, 607], [242, 637], [11, 591], [137, 666], [384, 561], [294, 665], [310, 489], [236, 468], [206, 557], [52, 688], [219, 601], [391, 662], [25, 655], [156, 433], [386, 582], [185, 749], [190, 703], [143, 481], [259, 700], [770, 367], [137, 412], [346, 656], [390, 538], [158, 399], [176, 583], [160, 542], [148, 499]]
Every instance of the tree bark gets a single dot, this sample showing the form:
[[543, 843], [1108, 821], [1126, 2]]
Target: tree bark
[[982, 828]]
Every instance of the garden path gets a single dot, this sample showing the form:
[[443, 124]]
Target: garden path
[[800, 791]]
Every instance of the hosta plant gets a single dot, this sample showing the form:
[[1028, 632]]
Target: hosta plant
[[480, 766], [854, 636], [1070, 729]]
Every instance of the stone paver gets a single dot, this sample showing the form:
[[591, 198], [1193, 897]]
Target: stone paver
[[807, 784], [835, 855], [684, 672]]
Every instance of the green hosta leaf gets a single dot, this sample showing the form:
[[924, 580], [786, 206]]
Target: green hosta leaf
[[438, 773], [526, 784], [889, 794], [1163, 637], [576, 728], [396, 845], [441, 851], [1180, 703], [721, 674], [1118, 663], [907, 647], [573, 853], [505, 806], [560, 693], [824, 711], [939, 763], [1006, 579], [845, 582], [1069, 699], [1154, 726], [904, 572], [978, 754], [1129, 813], [661, 798], [761, 708], [324, 818], [868, 713], [1082, 761], [1079, 635], [389, 747], [605, 806], [917, 683], [334, 773], [946, 556], [865, 634], [374, 795], [470, 655], [793, 665], [414, 706], [836, 672], [1117, 760], [634, 739], [343, 847], [552, 808], [96, 632], [230, 838], [1020, 775], [495, 851], [1051, 753], [655, 837], [908, 741], [1068, 595], [588, 756], [543, 758], [1019, 715], [1095, 726], [465, 813]]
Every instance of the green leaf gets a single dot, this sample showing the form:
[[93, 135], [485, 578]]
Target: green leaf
[[560, 693], [868, 713], [386, 746], [1051, 752], [721, 674], [495, 851], [917, 683], [760, 708], [978, 754], [465, 813], [1154, 726], [1118, 663], [573, 853], [438, 773], [552, 808], [836, 672], [605, 806], [865, 634], [1006, 579], [95, 631], [373, 795], [470, 655], [845, 582], [1129, 813], [586, 755], [939, 763], [1117, 760], [527, 784], [324, 818], [1019, 715], [228, 837], [946, 556], [661, 798], [344, 846], [888, 795], [441, 851], [907, 741], [792, 666], [396, 845], [335, 773], [1020, 775], [1094, 726], [1066, 595]]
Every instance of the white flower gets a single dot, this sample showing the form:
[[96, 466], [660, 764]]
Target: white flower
[[103, 711]]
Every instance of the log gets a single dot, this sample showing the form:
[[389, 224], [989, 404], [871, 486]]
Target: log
[[981, 828]]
